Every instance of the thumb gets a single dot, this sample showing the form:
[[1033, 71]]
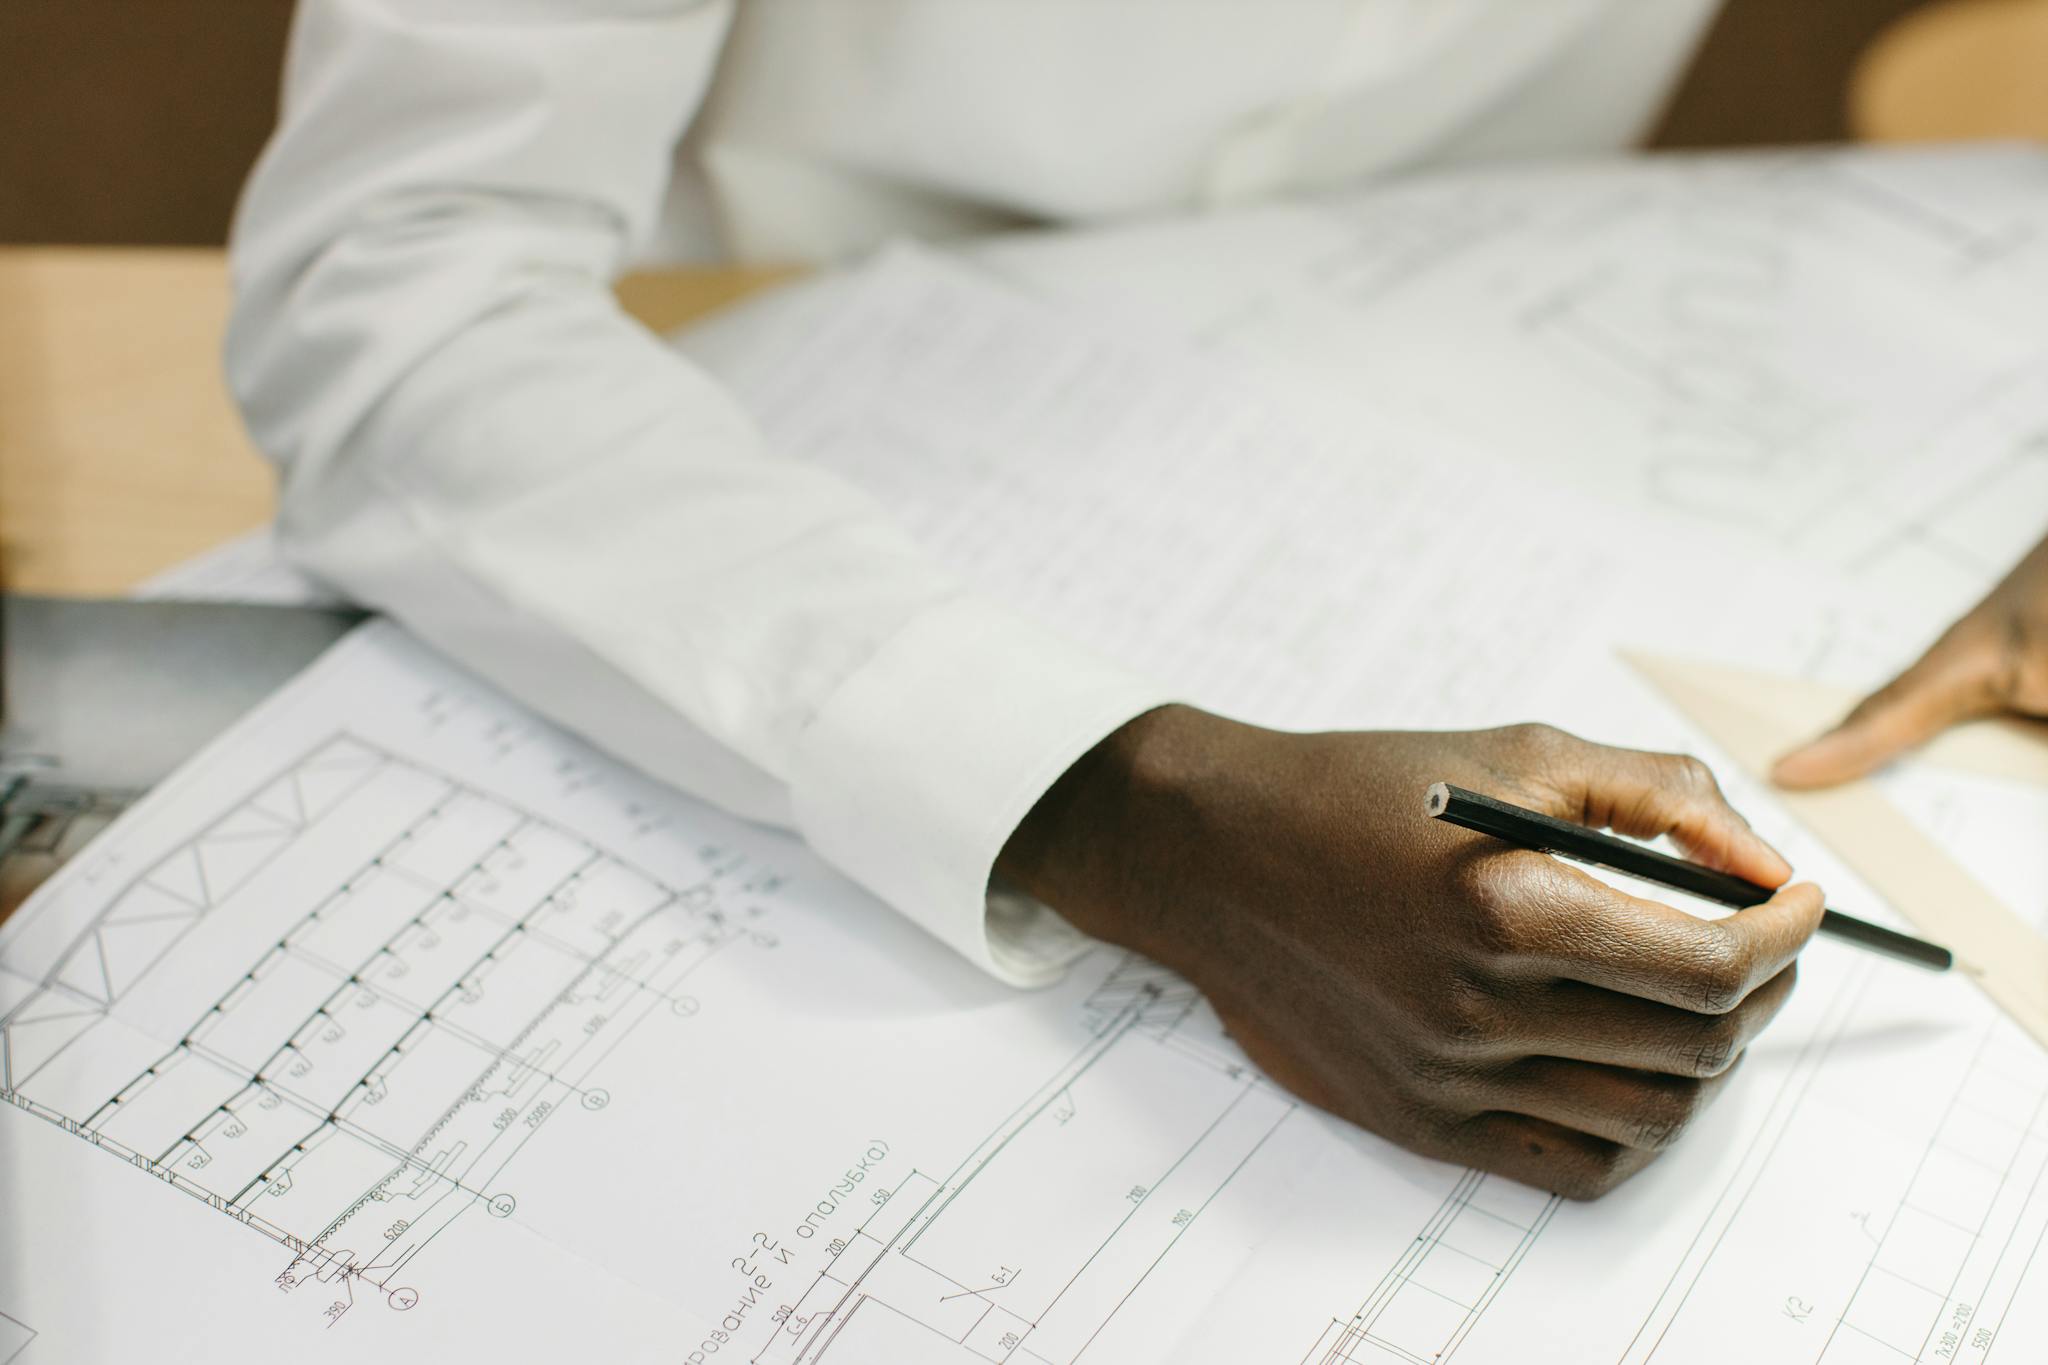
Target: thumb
[[1953, 681]]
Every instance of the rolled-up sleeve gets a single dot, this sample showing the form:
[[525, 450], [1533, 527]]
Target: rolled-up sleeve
[[472, 438]]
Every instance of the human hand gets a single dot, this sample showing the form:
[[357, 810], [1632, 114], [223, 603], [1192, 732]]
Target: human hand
[[1469, 1000], [1994, 659]]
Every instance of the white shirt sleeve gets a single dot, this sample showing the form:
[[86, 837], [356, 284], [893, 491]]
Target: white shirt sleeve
[[474, 439]]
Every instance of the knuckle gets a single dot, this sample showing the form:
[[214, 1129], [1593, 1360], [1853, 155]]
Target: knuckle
[[1434, 1082], [1693, 775], [1714, 1048], [1535, 737], [1415, 1114], [1720, 976], [1665, 1115], [1476, 881], [1497, 932], [1470, 1018], [1494, 891]]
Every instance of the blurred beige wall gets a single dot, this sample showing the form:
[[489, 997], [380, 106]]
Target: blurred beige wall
[[134, 121]]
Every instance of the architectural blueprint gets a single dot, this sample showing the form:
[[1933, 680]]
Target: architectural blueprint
[[402, 1026], [1848, 346], [444, 1034], [442, 1005]]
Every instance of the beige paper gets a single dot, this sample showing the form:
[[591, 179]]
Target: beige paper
[[1756, 717]]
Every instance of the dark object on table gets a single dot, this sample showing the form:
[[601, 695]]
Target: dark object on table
[[100, 700]]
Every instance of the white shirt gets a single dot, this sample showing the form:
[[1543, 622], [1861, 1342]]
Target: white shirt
[[473, 438]]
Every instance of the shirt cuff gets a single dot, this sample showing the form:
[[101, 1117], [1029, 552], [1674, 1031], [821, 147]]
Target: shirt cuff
[[915, 771]]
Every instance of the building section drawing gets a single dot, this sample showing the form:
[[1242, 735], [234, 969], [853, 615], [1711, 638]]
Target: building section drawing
[[1434, 1295], [375, 1067], [1026, 1248]]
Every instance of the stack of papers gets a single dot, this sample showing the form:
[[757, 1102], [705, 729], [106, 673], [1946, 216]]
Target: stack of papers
[[403, 1025]]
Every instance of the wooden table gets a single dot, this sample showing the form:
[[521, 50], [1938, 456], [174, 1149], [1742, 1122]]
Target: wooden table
[[120, 451], [1956, 70]]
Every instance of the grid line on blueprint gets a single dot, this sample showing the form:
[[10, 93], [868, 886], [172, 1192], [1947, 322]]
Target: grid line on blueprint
[[467, 975]]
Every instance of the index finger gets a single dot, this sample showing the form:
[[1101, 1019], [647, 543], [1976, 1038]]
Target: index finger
[[1953, 681], [1605, 937], [1646, 795]]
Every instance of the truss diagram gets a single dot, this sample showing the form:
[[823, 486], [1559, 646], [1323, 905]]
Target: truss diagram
[[376, 1067]]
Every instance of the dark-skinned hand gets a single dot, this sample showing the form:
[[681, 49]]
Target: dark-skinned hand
[[1993, 660], [1469, 1000]]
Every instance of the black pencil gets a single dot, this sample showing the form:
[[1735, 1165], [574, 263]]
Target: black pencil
[[1547, 834]]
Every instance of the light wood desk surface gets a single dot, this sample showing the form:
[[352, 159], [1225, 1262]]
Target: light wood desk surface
[[120, 453], [1954, 71], [120, 450]]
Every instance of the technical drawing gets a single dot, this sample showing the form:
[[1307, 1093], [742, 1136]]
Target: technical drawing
[[1444, 1281], [15, 1337], [1926, 232], [1996, 454], [1698, 337], [166, 903], [1960, 1238], [1933, 1280], [1137, 1133], [378, 1064], [1929, 1276], [1708, 347]]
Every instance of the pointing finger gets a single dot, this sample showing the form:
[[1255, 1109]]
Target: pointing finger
[[1954, 681]]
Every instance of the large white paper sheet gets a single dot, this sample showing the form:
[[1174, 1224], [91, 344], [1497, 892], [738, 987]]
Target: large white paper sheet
[[402, 1025], [1839, 354]]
